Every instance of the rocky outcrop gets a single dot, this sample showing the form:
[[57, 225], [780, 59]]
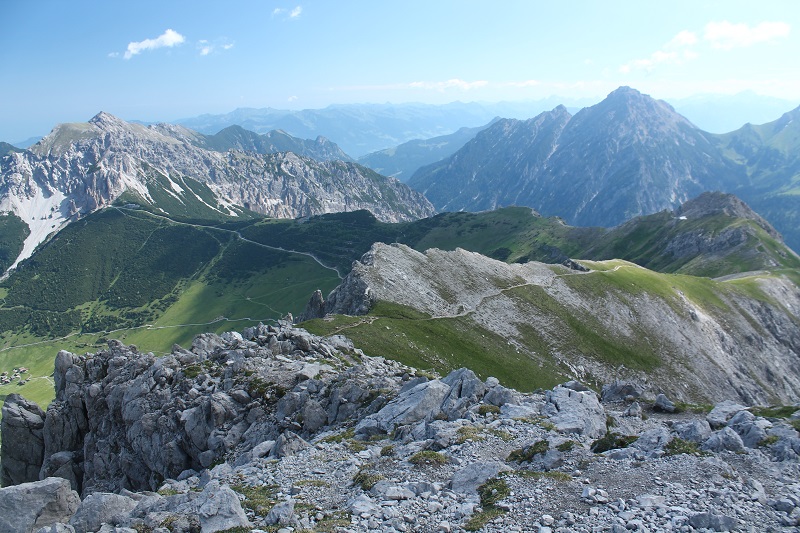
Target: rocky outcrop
[[746, 348], [22, 426], [278, 427], [27, 507]]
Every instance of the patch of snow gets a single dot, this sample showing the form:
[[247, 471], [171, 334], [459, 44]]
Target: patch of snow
[[36, 212]]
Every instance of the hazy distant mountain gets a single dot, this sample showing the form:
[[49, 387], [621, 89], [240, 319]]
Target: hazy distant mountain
[[360, 129], [626, 156], [722, 113], [402, 161], [27, 143], [238, 138], [771, 154], [79, 168]]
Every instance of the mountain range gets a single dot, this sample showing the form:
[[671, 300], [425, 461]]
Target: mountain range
[[626, 156], [81, 167]]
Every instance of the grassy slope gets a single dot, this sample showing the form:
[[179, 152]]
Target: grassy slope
[[120, 269]]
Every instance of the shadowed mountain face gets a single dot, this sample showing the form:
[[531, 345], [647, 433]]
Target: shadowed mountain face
[[626, 156]]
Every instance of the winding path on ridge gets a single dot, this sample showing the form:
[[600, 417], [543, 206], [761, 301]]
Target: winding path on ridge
[[234, 232]]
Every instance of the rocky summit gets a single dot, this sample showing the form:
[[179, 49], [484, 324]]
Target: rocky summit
[[275, 429]]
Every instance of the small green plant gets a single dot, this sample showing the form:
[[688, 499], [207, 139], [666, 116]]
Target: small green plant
[[259, 500], [612, 441], [486, 408], [478, 520], [526, 454], [387, 450], [768, 440], [678, 446], [492, 491], [428, 457], [795, 424], [311, 483], [779, 411], [566, 446], [466, 433], [366, 479], [340, 437], [555, 475]]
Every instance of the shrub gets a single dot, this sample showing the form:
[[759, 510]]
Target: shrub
[[566, 446], [526, 454], [678, 446], [612, 441], [486, 408], [366, 479], [428, 457]]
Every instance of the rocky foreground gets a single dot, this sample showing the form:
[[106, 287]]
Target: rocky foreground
[[279, 430]]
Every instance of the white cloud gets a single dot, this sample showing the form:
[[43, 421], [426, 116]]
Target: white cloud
[[675, 52], [291, 98], [167, 39], [206, 47], [449, 84], [684, 38], [726, 35], [293, 14]]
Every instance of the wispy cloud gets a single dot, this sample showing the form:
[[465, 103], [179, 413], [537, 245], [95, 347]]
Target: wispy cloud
[[206, 47], [726, 35], [449, 84], [289, 13], [676, 51], [167, 39]]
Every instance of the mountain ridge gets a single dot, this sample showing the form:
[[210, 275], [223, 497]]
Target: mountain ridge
[[81, 167]]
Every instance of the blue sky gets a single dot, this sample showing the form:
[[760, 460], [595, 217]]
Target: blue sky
[[63, 61]]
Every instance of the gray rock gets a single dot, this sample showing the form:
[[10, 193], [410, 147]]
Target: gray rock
[[620, 391], [652, 441], [750, 428], [22, 440], [575, 412], [634, 410], [466, 390], [31, 506], [501, 396], [722, 440], [217, 507], [693, 430], [716, 522], [468, 479], [57, 528], [722, 412], [288, 443], [282, 514], [422, 402], [101, 507], [663, 404]]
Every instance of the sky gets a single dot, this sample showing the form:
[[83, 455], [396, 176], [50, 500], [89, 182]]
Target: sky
[[66, 60]]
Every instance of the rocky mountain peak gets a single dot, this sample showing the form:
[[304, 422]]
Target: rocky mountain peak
[[103, 119], [719, 203]]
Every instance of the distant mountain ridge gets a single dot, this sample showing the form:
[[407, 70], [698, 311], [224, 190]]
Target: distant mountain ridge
[[81, 167], [626, 156], [402, 161]]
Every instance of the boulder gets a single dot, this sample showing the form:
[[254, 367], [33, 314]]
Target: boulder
[[28, 507], [750, 428], [664, 404], [422, 402], [722, 412], [620, 391], [722, 440], [281, 514], [99, 508], [575, 412], [694, 430], [468, 479], [22, 440]]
